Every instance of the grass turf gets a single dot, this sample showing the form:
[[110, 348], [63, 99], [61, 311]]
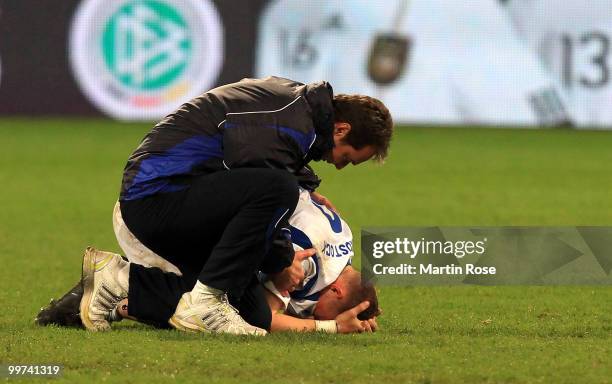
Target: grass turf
[[60, 179]]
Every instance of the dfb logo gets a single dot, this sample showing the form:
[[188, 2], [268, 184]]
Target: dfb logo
[[140, 59]]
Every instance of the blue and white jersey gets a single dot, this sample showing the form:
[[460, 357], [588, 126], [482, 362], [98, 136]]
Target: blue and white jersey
[[315, 226]]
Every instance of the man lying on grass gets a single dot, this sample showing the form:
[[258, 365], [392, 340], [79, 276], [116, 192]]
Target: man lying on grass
[[330, 296]]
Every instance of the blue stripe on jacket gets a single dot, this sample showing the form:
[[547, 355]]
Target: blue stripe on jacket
[[179, 160], [303, 140]]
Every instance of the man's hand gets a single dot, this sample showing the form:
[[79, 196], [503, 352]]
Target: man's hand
[[348, 322], [292, 276], [320, 199]]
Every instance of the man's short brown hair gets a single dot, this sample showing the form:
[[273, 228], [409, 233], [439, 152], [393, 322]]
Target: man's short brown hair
[[370, 120], [359, 291]]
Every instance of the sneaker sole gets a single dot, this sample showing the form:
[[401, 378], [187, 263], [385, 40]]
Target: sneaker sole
[[181, 326], [190, 328], [87, 276]]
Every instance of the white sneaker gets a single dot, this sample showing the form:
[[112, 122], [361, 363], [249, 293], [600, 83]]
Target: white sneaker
[[105, 283], [206, 309]]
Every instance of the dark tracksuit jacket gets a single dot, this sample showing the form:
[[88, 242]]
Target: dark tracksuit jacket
[[261, 123]]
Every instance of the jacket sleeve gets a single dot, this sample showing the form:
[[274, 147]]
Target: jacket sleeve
[[272, 139], [308, 179]]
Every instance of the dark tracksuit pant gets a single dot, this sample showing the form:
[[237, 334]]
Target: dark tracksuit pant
[[220, 230]]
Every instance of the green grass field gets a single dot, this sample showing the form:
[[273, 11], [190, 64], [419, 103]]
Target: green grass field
[[60, 179]]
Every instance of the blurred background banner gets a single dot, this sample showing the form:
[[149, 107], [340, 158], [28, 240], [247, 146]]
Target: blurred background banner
[[488, 62], [126, 59]]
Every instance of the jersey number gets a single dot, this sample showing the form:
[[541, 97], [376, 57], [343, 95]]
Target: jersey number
[[334, 219]]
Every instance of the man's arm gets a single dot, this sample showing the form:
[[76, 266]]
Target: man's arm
[[346, 322], [282, 322]]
